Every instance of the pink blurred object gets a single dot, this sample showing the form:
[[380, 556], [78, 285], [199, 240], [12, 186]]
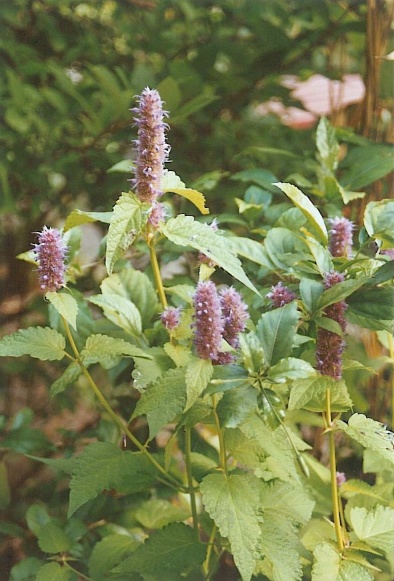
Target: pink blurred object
[[319, 96]]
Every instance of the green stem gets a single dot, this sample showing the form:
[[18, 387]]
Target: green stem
[[391, 353], [189, 475], [222, 447], [156, 273], [121, 425], [209, 552], [80, 575], [333, 471]]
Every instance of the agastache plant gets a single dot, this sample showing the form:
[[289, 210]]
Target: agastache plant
[[203, 454], [50, 253]]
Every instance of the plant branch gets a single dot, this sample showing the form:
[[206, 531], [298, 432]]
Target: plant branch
[[222, 447], [189, 475], [156, 272]]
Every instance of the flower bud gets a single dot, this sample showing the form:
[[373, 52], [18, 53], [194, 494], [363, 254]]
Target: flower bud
[[280, 295], [340, 236], [171, 317], [234, 313]]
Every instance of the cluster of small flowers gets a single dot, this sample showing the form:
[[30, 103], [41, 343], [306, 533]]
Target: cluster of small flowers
[[217, 316], [171, 317], [152, 151], [329, 345], [340, 234], [50, 253], [280, 295]]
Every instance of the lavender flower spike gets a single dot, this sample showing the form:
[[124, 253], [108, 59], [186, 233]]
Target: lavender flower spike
[[340, 236], [330, 346], [50, 253], [235, 314], [280, 295], [152, 150], [208, 324]]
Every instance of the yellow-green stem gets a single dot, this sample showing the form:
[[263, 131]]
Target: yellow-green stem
[[189, 475], [209, 552], [78, 573], [391, 353], [156, 273], [121, 425], [333, 471], [222, 447]]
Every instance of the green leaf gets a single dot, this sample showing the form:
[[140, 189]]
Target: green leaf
[[148, 370], [330, 566], [375, 527], [379, 220], [384, 273], [163, 400], [106, 350], [108, 553], [52, 539], [5, 492], [198, 374], [36, 517], [290, 368], [168, 553], [26, 440], [103, 466], [39, 342], [26, 570], [185, 231], [65, 305], [276, 330], [233, 503], [307, 208], [340, 291], [375, 303], [311, 394], [279, 539], [70, 376], [320, 254], [250, 249], [124, 166], [120, 311], [261, 177], [367, 164], [327, 144], [236, 404], [310, 291], [135, 286], [129, 216], [78, 217], [288, 501], [195, 197], [157, 513], [370, 434], [64, 464], [53, 572]]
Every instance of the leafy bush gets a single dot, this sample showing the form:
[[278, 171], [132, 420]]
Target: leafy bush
[[200, 466]]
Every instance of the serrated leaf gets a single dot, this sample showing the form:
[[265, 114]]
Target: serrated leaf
[[330, 566], [172, 550], [185, 231], [276, 330], [287, 500], [290, 368], [147, 371], [70, 375], [367, 164], [36, 517], [103, 466], [120, 311], [179, 354], [108, 553], [233, 503], [64, 464], [195, 197], [311, 213], [236, 404], [40, 342], [375, 527], [52, 539], [250, 249], [310, 291], [311, 394], [340, 291], [162, 400], [53, 572], [65, 305], [128, 218], [78, 217], [375, 303], [106, 350], [370, 434], [320, 254], [170, 180], [26, 570], [157, 513], [198, 374], [279, 538], [379, 219]]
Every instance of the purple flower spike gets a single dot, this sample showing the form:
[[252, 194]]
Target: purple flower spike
[[171, 317], [330, 346], [280, 295], [208, 321], [152, 150], [157, 214], [50, 253], [340, 233], [235, 314]]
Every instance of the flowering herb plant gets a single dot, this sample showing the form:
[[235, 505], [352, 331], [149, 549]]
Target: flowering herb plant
[[210, 378]]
